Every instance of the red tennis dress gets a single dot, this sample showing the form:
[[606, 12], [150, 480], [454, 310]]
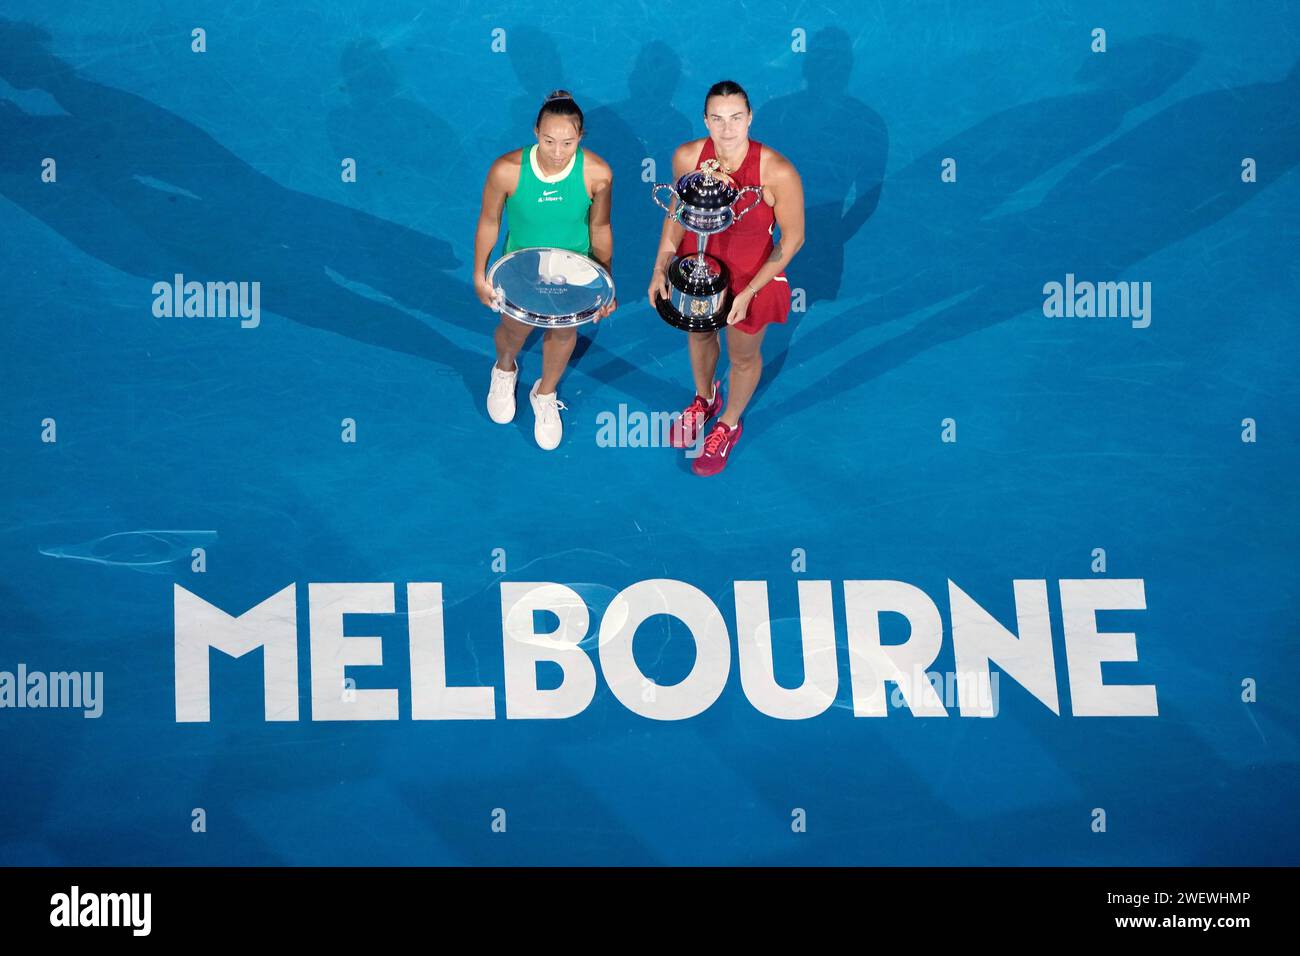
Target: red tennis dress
[[746, 245]]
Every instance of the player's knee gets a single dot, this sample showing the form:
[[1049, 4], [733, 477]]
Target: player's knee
[[515, 332]]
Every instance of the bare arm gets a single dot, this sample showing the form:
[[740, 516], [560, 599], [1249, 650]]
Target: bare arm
[[495, 192], [787, 191], [598, 225], [489, 217], [782, 180]]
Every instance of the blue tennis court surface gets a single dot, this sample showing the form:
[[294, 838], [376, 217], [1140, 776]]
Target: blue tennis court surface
[[949, 461]]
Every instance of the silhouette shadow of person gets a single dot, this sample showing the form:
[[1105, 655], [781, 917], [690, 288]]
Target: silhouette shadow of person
[[150, 193], [994, 160], [840, 145], [930, 240], [536, 62], [644, 126], [1172, 175], [405, 152]]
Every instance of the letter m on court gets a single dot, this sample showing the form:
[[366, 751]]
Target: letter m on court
[[200, 627]]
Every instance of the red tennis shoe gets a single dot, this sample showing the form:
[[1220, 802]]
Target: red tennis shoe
[[719, 443], [694, 417]]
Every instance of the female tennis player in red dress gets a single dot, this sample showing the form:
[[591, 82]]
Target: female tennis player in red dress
[[756, 262]]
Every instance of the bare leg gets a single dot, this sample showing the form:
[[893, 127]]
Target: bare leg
[[744, 351], [510, 338], [705, 350], [557, 346]]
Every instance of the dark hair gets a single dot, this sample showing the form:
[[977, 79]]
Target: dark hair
[[560, 103], [725, 88]]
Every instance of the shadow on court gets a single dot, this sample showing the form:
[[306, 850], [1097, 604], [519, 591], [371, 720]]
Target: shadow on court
[[1114, 208], [151, 194], [840, 145]]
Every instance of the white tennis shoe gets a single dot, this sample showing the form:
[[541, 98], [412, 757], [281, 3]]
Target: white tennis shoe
[[547, 428], [501, 394]]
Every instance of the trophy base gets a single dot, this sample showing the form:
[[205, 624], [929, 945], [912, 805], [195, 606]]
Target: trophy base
[[692, 323], [699, 298]]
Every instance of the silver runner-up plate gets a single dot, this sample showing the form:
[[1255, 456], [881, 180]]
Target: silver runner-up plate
[[550, 288]]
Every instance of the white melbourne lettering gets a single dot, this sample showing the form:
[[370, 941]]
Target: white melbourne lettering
[[978, 641]]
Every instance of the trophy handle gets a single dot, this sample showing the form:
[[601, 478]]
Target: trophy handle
[[654, 194], [757, 191]]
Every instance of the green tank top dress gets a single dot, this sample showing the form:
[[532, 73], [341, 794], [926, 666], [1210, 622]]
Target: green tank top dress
[[539, 213]]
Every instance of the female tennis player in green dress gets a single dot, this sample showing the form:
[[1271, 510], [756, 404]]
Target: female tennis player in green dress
[[554, 193]]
